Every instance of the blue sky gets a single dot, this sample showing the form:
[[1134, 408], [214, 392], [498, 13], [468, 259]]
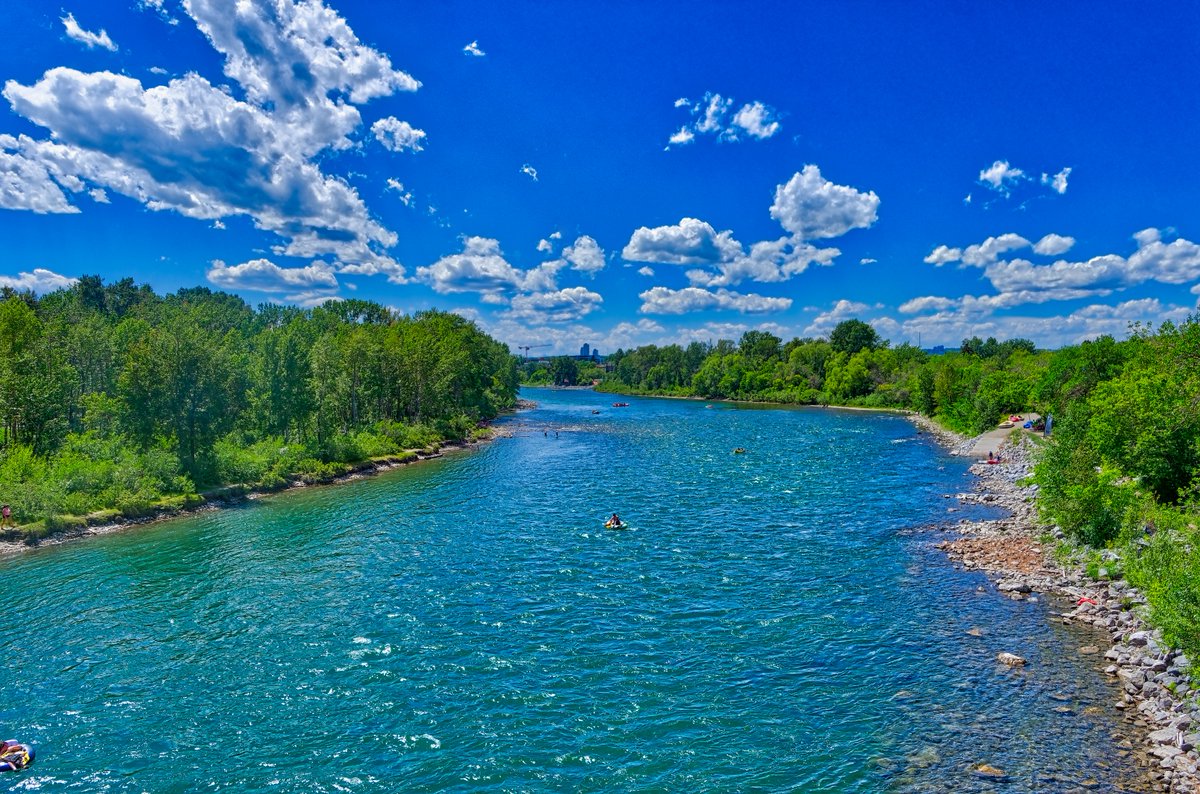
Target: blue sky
[[618, 173]]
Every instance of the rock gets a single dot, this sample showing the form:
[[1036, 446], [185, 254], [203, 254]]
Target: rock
[[1165, 752], [1089, 649], [1011, 659], [975, 632], [1165, 736], [1138, 638], [988, 772]]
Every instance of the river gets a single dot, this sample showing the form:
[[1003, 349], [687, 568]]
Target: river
[[769, 621]]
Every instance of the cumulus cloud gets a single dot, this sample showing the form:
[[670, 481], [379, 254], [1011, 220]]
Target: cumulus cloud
[[473, 49], [27, 183], [661, 300], [646, 270], [866, 260], [482, 268], [193, 148], [926, 303], [86, 37], [807, 206], [943, 254], [689, 242], [1053, 245], [811, 207], [158, 8], [560, 306], [307, 286], [1001, 176], [1057, 182], [824, 323], [584, 255], [397, 135], [529, 171], [756, 120], [545, 246], [710, 116], [39, 280]]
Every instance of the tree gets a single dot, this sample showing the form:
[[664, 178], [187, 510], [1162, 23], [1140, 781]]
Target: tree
[[851, 336], [564, 369]]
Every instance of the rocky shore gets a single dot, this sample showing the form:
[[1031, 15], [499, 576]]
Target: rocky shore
[[1156, 696]]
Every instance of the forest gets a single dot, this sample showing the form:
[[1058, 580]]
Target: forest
[[1120, 471], [117, 402]]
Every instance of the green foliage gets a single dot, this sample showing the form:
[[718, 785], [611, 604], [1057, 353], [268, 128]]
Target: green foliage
[[1165, 566], [852, 336], [113, 398]]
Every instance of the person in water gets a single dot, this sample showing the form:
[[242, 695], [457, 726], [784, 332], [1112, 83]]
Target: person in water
[[615, 521]]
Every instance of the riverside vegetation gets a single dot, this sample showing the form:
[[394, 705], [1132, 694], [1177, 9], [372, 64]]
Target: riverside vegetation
[[116, 402], [1119, 475]]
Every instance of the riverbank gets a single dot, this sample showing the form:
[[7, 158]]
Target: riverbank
[[103, 522], [1019, 558]]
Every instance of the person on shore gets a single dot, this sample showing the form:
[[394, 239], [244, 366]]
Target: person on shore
[[6, 519]]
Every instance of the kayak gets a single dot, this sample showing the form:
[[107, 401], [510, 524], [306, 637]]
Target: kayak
[[15, 756]]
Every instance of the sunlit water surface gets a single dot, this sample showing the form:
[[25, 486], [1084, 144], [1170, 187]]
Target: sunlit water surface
[[768, 622]]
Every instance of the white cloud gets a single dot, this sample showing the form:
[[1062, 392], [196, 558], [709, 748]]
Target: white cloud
[[530, 171], [1000, 176], [1058, 182], [690, 242], [943, 254], [584, 255], [812, 207], [85, 37], [99, 196], [680, 138], [217, 224], [1053, 245], [754, 119], [263, 275], [926, 303], [545, 246], [757, 120], [26, 183], [39, 280], [661, 300], [406, 196], [767, 261], [989, 250], [157, 7], [646, 270], [565, 305], [397, 135], [473, 49], [825, 322], [481, 267], [555, 235], [191, 147], [866, 260]]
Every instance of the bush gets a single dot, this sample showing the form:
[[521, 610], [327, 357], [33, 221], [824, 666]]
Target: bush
[[1166, 567]]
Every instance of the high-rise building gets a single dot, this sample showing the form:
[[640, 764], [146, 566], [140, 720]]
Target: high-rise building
[[585, 351]]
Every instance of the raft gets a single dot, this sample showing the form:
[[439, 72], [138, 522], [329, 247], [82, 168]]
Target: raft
[[15, 756], [622, 525]]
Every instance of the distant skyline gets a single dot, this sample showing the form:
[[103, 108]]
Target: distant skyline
[[618, 173]]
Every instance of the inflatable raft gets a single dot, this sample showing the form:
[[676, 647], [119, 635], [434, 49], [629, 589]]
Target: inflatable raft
[[15, 756]]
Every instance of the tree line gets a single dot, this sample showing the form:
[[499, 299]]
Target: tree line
[[113, 397]]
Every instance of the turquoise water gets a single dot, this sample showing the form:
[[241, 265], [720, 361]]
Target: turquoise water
[[768, 622]]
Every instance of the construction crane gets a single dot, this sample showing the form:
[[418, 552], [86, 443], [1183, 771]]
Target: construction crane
[[527, 348]]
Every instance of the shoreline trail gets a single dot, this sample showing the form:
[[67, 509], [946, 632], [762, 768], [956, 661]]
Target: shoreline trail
[[1010, 550]]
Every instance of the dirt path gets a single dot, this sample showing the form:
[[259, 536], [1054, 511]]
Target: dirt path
[[992, 439]]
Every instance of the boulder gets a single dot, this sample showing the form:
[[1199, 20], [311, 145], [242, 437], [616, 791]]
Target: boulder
[[1011, 659]]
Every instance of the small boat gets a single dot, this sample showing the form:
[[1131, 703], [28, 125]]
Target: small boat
[[620, 405], [15, 756], [595, 411], [622, 525], [1005, 425], [740, 451]]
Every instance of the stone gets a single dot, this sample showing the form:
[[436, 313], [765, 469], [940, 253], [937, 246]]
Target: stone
[[975, 632], [988, 772], [1011, 659], [1165, 752], [1165, 736], [1138, 638], [1089, 649]]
